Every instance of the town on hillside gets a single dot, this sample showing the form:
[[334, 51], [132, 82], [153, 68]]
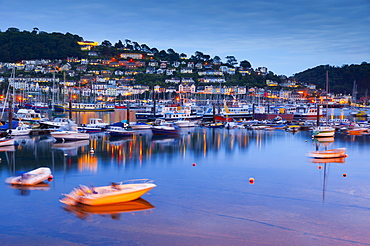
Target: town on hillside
[[93, 78]]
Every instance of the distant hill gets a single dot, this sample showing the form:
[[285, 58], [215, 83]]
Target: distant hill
[[341, 79], [16, 45]]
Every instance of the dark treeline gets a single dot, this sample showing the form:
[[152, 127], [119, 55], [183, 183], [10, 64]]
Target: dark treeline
[[341, 79], [16, 45]]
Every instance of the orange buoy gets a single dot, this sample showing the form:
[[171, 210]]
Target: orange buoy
[[251, 180], [344, 175]]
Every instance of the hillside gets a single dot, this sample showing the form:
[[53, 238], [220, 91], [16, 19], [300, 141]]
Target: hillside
[[16, 45], [341, 79]]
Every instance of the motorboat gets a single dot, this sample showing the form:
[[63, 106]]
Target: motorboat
[[141, 126], [56, 123], [115, 193], [166, 129], [6, 141], [293, 128], [69, 132], [33, 177], [118, 131], [323, 131], [21, 130], [114, 210], [182, 123], [332, 153]]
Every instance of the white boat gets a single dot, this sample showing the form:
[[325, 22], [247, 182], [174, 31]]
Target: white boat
[[185, 123], [55, 124], [166, 129], [117, 192], [6, 141], [31, 178], [69, 132], [30, 116], [323, 131], [332, 153], [21, 130], [307, 112], [141, 126]]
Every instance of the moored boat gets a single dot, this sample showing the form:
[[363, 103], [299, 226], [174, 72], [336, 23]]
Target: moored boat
[[166, 129], [69, 132], [323, 131], [33, 177], [117, 192], [332, 153]]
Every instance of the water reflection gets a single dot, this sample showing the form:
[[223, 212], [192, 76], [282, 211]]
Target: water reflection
[[25, 190], [324, 165], [113, 211]]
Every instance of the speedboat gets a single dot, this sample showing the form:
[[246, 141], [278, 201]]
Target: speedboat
[[69, 132], [32, 177], [116, 192], [166, 129], [332, 153], [21, 130]]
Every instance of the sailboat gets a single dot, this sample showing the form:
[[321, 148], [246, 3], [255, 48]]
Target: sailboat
[[324, 131]]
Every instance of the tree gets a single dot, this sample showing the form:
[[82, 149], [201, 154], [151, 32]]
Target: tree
[[245, 64], [119, 44], [231, 60], [106, 43], [183, 56]]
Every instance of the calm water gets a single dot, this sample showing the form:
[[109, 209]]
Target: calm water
[[292, 201]]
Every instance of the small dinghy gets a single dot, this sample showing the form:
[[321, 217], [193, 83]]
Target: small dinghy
[[31, 178]]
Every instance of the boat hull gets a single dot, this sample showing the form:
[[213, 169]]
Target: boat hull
[[105, 195], [31, 178]]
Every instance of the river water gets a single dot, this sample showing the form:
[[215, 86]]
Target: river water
[[203, 196]]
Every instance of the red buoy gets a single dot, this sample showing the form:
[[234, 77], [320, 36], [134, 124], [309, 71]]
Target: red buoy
[[50, 178], [344, 175], [194, 164], [251, 180], [320, 167]]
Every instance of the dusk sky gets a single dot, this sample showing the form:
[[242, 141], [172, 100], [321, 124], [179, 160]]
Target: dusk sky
[[287, 36]]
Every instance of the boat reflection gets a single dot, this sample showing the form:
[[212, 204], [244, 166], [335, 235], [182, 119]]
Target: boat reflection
[[324, 167], [25, 190], [113, 210], [9, 148], [70, 147]]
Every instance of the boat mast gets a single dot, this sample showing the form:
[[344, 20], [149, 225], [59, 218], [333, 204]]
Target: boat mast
[[327, 91]]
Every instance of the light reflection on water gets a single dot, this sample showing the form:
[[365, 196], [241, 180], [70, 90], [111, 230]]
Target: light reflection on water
[[211, 202]]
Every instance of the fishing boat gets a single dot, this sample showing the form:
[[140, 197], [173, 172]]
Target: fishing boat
[[332, 153], [69, 132], [33, 177], [115, 193]]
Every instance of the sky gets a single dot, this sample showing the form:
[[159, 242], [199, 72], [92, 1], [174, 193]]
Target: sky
[[286, 36]]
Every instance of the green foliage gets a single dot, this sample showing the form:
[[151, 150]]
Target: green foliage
[[341, 79], [16, 46]]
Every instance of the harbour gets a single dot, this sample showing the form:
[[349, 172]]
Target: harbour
[[215, 186]]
